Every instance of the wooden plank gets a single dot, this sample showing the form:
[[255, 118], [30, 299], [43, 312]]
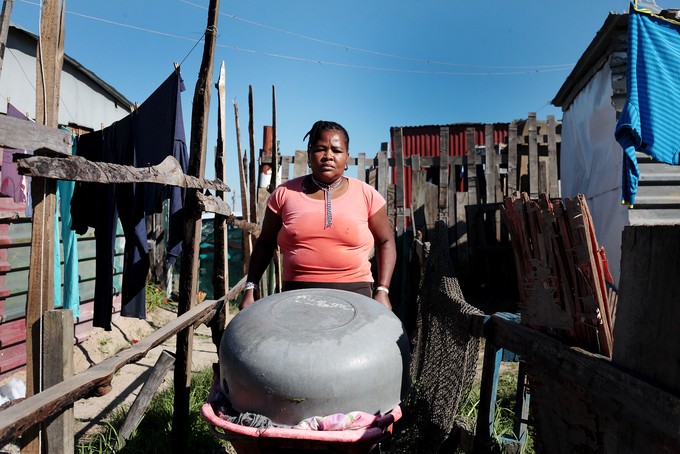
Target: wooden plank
[[77, 168], [533, 156], [285, 168], [383, 171], [400, 183], [300, 163], [143, 399], [490, 167], [648, 309], [417, 202], [443, 201], [58, 365], [361, 166], [553, 186], [471, 170], [4, 28], [33, 410], [462, 246], [188, 288]]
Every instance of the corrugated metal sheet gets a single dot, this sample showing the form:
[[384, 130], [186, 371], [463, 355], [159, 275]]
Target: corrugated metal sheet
[[424, 141]]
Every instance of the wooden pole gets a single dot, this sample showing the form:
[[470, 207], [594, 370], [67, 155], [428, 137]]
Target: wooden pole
[[220, 265], [252, 176], [400, 223], [188, 287], [49, 61], [471, 171], [4, 28], [275, 145], [278, 272], [245, 206]]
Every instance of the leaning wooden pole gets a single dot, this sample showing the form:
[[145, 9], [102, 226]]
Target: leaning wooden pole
[[252, 177], [243, 183], [49, 61], [220, 277], [188, 288], [220, 268]]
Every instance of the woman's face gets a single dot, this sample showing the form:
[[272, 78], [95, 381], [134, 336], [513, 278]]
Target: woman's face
[[328, 156]]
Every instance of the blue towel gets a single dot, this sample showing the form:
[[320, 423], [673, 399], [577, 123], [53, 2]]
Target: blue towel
[[650, 121]]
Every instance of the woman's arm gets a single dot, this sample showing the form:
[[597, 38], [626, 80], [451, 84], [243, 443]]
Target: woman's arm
[[262, 253], [386, 253]]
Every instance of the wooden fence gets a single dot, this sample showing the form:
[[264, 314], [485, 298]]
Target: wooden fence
[[487, 173]]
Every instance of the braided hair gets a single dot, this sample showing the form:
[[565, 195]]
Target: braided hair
[[321, 126]]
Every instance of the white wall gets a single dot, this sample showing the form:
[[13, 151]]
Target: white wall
[[591, 163], [81, 102]]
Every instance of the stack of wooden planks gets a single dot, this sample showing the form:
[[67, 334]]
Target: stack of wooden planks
[[562, 272]]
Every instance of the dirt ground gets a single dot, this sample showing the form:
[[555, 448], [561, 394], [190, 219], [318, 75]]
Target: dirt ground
[[127, 382]]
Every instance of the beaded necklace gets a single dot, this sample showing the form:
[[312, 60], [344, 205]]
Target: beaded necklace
[[327, 188]]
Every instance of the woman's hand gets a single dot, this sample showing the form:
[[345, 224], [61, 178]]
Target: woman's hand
[[248, 299], [383, 299]]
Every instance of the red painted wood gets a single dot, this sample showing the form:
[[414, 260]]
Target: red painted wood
[[12, 333]]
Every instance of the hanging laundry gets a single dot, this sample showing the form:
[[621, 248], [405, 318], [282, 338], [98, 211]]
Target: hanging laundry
[[69, 298], [152, 132], [13, 184], [648, 122]]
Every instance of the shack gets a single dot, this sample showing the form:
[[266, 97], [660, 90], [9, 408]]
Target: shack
[[592, 98], [86, 103]]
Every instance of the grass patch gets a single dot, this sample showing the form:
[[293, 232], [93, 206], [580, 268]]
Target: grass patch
[[155, 297], [153, 434], [504, 417]]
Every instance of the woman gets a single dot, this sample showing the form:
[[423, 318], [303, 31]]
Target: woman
[[326, 225]]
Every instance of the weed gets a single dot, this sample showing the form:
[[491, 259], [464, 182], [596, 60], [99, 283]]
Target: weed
[[153, 434], [155, 297]]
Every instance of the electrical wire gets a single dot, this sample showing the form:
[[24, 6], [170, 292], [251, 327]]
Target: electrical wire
[[373, 52], [537, 70]]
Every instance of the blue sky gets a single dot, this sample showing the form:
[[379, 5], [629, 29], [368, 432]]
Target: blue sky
[[369, 64]]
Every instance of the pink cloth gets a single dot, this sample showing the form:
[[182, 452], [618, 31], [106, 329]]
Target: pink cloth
[[13, 184], [312, 253], [339, 421], [380, 429]]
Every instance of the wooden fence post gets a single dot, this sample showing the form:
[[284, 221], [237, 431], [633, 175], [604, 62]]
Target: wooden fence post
[[534, 188], [400, 220], [552, 158], [58, 366], [188, 287], [513, 183], [444, 160], [49, 61], [471, 170]]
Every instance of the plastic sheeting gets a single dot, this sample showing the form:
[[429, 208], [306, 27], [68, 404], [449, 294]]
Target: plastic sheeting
[[591, 162]]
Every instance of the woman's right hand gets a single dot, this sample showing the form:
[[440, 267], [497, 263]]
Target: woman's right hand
[[248, 299]]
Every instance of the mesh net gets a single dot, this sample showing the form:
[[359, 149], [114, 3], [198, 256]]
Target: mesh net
[[444, 358]]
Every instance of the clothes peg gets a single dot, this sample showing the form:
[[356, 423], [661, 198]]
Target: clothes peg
[[176, 65]]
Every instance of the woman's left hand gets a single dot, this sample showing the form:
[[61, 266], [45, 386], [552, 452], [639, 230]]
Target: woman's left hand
[[383, 299]]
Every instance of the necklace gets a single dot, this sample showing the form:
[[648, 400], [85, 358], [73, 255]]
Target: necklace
[[327, 188]]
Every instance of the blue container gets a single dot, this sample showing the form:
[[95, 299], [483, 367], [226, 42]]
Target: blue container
[[314, 352]]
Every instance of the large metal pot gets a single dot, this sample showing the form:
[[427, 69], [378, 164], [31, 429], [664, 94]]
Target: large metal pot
[[314, 352]]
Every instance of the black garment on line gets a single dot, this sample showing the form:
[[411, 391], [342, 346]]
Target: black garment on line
[[144, 138]]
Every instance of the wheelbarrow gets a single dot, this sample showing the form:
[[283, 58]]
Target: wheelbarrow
[[278, 440], [305, 353]]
